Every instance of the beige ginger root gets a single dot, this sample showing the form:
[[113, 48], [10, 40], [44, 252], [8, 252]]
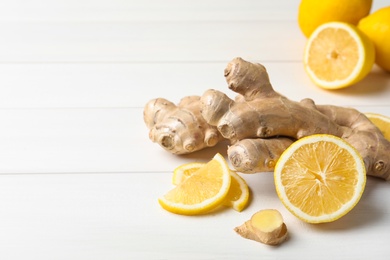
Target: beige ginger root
[[265, 226], [179, 129], [260, 123], [264, 113], [258, 154]]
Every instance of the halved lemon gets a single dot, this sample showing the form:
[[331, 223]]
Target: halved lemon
[[382, 122], [320, 178], [238, 195], [338, 55], [202, 191]]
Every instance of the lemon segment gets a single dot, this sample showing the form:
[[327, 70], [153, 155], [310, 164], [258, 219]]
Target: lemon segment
[[184, 171], [238, 195], [338, 55], [382, 122], [202, 191], [320, 178]]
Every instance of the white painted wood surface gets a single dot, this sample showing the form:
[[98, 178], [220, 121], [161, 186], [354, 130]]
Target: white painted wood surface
[[79, 178]]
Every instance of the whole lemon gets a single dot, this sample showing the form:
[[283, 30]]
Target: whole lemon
[[313, 13], [377, 27]]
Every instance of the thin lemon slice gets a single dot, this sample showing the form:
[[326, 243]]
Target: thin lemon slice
[[338, 55], [238, 195], [382, 122], [184, 171], [320, 178], [202, 191]]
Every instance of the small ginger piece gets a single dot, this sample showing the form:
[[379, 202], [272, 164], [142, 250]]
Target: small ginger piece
[[265, 226]]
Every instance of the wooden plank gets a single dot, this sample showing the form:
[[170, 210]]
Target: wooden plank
[[149, 10], [150, 41], [78, 140], [124, 85], [88, 140], [105, 216], [79, 178]]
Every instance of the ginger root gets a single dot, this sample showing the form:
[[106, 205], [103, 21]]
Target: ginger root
[[260, 123], [265, 226], [264, 113], [179, 129], [258, 154]]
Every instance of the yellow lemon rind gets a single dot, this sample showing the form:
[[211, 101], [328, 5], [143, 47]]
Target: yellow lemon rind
[[240, 204], [178, 175], [313, 13], [377, 27]]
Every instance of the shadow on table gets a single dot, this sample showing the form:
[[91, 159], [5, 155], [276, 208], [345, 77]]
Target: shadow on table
[[366, 212], [377, 81], [206, 154]]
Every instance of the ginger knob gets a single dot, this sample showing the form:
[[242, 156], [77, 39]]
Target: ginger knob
[[265, 226]]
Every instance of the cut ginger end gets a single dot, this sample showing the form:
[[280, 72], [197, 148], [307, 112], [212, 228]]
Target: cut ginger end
[[265, 226]]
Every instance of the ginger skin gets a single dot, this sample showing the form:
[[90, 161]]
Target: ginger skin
[[179, 129], [265, 226], [260, 123], [264, 113], [257, 155]]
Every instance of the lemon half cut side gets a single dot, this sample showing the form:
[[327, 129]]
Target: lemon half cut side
[[320, 178], [338, 55]]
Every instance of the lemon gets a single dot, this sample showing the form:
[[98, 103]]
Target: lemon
[[377, 27], [382, 122], [181, 173], [313, 13], [320, 178], [202, 191], [238, 195], [338, 55]]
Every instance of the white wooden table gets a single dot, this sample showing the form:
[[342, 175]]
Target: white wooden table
[[79, 178]]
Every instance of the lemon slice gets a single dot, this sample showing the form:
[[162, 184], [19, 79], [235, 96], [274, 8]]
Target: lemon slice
[[202, 191], [382, 122], [320, 178], [338, 55], [238, 195], [184, 171]]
